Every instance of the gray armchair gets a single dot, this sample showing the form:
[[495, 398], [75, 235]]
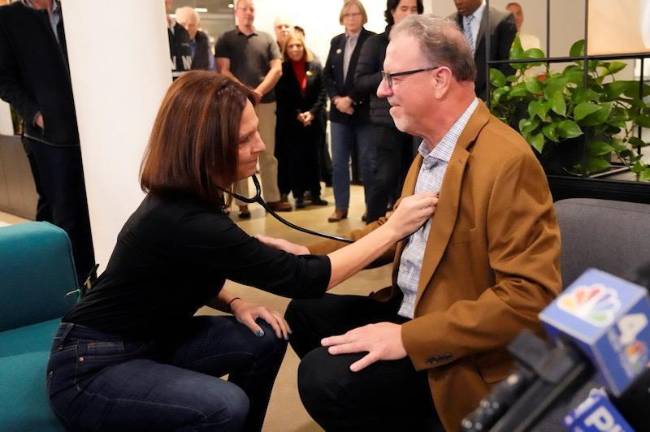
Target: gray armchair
[[612, 236]]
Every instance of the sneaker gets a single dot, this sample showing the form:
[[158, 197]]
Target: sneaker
[[280, 206], [300, 203]]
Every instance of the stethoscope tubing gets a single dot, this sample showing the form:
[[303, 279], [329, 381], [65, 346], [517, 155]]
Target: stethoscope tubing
[[257, 198]]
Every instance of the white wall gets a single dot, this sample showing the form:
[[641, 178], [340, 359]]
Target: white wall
[[319, 18], [6, 125], [120, 70]]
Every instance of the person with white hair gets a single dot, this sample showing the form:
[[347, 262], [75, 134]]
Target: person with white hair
[[202, 57], [282, 27]]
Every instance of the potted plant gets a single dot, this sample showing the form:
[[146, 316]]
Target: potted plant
[[578, 127]]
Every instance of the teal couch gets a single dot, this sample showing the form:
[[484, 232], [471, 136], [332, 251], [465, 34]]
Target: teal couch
[[36, 272]]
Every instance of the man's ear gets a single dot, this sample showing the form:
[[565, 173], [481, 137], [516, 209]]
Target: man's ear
[[441, 78]]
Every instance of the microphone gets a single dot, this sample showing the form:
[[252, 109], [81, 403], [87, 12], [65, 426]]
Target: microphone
[[599, 324], [596, 414], [607, 319]]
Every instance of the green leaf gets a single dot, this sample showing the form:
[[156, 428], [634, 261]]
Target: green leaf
[[538, 108], [553, 85], [569, 129], [577, 49], [599, 117], [595, 165], [598, 148], [618, 145], [617, 117], [534, 53], [516, 50], [615, 66], [550, 132], [519, 90], [497, 78], [645, 174], [558, 105], [526, 126], [584, 95], [616, 89], [583, 109], [642, 120], [533, 86], [575, 76], [637, 142], [498, 94], [537, 141]]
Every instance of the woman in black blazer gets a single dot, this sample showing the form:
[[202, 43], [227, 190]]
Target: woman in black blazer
[[349, 106], [300, 101]]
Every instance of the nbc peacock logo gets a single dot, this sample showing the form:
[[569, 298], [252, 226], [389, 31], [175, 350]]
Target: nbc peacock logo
[[595, 304]]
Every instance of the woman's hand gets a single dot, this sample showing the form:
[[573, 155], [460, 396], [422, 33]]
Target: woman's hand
[[307, 118], [411, 213], [344, 104], [246, 313], [283, 245]]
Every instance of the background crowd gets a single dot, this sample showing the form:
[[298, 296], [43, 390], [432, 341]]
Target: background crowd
[[295, 90]]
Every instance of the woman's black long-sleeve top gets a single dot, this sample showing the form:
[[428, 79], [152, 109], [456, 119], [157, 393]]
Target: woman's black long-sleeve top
[[173, 256]]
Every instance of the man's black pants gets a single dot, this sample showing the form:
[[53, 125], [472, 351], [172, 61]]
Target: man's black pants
[[385, 396], [59, 179]]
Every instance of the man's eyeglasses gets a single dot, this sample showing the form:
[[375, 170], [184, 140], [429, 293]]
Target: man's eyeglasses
[[388, 77]]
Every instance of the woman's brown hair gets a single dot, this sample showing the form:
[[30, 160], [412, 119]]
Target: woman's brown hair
[[347, 4], [193, 144], [307, 56]]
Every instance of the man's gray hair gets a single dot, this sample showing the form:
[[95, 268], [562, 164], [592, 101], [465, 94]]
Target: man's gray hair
[[183, 14], [442, 42]]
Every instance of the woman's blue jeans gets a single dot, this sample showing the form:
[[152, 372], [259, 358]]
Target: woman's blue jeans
[[344, 137], [98, 381]]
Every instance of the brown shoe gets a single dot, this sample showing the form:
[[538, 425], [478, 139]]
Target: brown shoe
[[280, 206], [338, 215], [244, 213]]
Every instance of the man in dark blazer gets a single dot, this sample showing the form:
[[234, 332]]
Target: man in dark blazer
[[35, 80], [472, 17]]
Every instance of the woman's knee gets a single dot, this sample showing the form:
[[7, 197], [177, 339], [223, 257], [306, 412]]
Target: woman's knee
[[229, 414], [269, 346]]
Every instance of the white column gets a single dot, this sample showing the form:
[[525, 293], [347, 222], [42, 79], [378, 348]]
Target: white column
[[119, 64], [6, 125]]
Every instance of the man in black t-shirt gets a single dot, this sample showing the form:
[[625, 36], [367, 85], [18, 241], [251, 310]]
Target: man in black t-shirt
[[252, 57]]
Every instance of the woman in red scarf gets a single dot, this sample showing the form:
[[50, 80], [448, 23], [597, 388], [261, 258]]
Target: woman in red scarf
[[300, 102]]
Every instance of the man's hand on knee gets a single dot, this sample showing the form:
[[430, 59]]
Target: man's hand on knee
[[382, 341]]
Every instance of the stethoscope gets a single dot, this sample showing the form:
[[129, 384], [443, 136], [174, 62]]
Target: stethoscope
[[257, 198]]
